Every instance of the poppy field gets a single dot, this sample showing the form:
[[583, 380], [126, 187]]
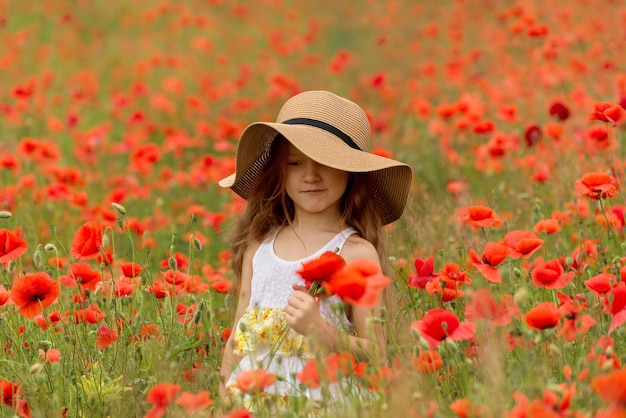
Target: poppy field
[[117, 120]]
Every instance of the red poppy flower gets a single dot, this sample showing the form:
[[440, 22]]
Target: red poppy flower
[[9, 392], [424, 273], [321, 268], [549, 226], [309, 375], [34, 292], [482, 306], [83, 274], [222, 286], [52, 355], [480, 217], [105, 336], [433, 330], [522, 243], [195, 402], [428, 361], [160, 396], [611, 387], [87, 241], [608, 112], [11, 246], [254, 381], [543, 316], [5, 295], [596, 185], [359, 281], [493, 254], [447, 289], [574, 324], [616, 305], [551, 275], [340, 364], [600, 283], [131, 269], [453, 272], [559, 110]]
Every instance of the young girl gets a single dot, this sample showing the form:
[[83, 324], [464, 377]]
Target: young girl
[[311, 187]]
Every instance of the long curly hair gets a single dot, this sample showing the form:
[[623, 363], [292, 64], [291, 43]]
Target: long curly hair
[[269, 207]]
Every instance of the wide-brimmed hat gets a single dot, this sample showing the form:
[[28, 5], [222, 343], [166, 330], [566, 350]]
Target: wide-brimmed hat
[[332, 131]]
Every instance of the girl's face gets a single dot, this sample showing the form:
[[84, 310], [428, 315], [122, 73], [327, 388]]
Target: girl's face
[[313, 187]]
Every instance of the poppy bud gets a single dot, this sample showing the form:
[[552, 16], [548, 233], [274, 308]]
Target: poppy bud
[[517, 272], [50, 247], [197, 243], [105, 241], [45, 345], [171, 262], [194, 219], [609, 352], [5, 214], [119, 209], [520, 296], [36, 368], [37, 257], [607, 365]]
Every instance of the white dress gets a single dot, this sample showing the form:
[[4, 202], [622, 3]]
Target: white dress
[[262, 337]]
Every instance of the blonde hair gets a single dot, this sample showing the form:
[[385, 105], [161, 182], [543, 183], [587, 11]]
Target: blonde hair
[[269, 207]]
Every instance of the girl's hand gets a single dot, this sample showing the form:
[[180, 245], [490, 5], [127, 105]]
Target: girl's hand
[[302, 312]]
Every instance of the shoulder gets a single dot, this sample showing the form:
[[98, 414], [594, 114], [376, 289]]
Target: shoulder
[[357, 247]]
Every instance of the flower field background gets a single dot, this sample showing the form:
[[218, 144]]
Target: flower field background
[[117, 119]]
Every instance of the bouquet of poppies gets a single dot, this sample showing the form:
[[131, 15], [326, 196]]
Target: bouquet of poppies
[[358, 282]]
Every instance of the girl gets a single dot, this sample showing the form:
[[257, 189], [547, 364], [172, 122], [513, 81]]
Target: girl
[[311, 187]]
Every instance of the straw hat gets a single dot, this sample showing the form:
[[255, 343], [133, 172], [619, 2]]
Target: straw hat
[[332, 131]]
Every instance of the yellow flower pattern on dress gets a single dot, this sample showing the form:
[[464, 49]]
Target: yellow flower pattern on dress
[[266, 326]]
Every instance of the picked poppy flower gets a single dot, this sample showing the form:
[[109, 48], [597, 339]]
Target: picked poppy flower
[[360, 282], [34, 292], [87, 241], [440, 324], [12, 247], [321, 268], [423, 273], [161, 396], [608, 112], [105, 336], [254, 382], [479, 217], [522, 243], [551, 275], [493, 254], [596, 185], [543, 316]]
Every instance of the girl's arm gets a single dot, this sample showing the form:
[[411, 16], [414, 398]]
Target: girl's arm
[[302, 314], [228, 358]]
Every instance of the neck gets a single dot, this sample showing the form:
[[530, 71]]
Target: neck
[[317, 223]]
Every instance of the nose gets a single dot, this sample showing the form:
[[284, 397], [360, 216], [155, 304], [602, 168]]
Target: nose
[[311, 171]]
